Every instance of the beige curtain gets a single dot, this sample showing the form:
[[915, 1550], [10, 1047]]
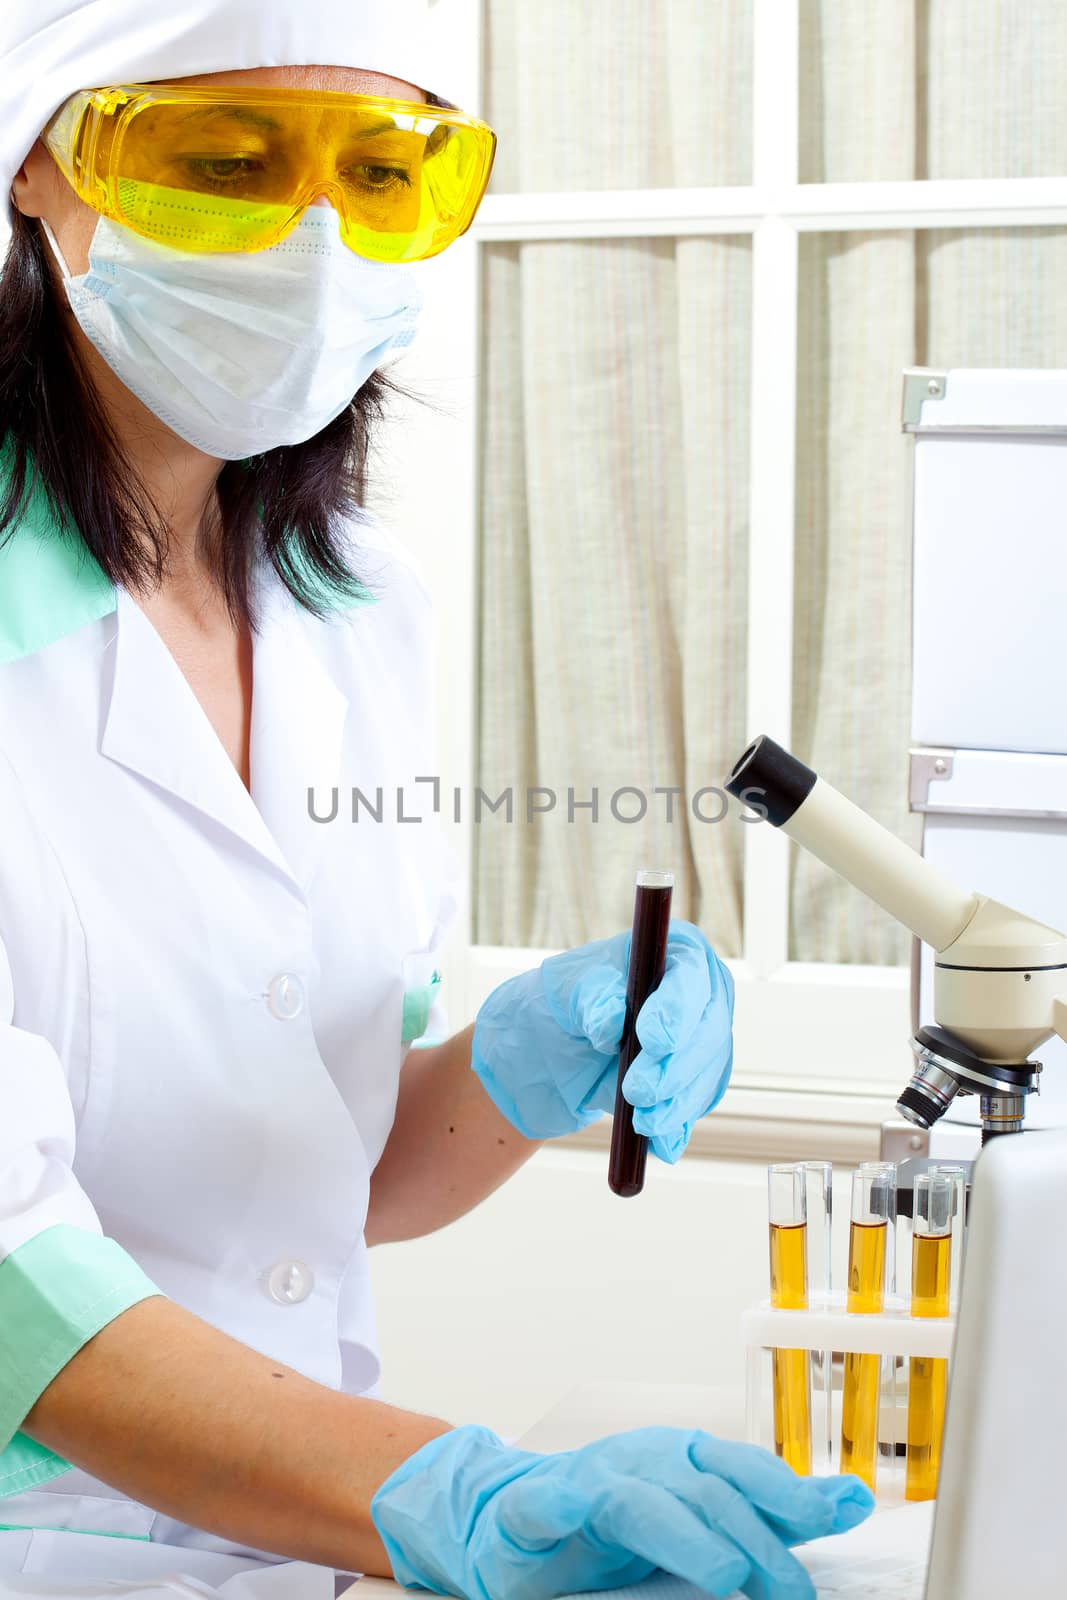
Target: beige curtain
[[898, 89], [615, 450], [615, 443]]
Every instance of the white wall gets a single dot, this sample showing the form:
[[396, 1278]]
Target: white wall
[[555, 1281]]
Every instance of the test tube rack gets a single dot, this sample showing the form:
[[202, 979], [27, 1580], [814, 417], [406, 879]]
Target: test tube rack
[[827, 1332]]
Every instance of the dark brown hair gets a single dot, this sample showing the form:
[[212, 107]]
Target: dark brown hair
[[288, 504]]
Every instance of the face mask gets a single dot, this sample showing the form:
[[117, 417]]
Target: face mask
[[240, 353]]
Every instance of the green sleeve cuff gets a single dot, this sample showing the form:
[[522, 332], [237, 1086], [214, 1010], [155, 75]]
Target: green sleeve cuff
[[25, 1464], [56, 1292]]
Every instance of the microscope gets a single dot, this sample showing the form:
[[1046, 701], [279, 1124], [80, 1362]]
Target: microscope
[[1000, 983]]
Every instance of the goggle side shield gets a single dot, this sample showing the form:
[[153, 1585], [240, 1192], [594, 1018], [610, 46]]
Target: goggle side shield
[[205, 169]]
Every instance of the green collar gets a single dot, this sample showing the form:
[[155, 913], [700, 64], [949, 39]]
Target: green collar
[[50, 585]]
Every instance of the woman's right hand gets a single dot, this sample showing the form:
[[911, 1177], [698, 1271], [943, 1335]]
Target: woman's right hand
[[468, 1515]]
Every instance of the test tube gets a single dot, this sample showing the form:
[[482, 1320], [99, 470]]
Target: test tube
[[931, 1255], [873, 1215], [959, 1176], [648, 961], [819, 1176], [820, 1208], [791, 1374]]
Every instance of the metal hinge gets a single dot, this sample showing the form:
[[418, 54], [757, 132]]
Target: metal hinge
[[927, 767], [930, 765], [921, 384]]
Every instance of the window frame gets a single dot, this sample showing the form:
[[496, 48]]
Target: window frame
[[800, 1027]]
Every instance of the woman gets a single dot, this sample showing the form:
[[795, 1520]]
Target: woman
[[207, 994]]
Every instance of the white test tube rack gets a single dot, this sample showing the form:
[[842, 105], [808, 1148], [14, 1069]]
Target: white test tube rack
[[894, 1334]]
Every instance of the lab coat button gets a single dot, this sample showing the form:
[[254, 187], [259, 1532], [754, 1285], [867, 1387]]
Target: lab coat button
[[290, 1282], [285, 997]]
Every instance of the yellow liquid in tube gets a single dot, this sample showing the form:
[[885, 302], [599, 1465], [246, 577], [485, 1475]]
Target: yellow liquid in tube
[[931, 1257], [792, 1398], [862, 1387]]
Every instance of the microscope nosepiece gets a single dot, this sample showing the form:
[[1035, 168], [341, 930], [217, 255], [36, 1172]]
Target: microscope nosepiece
[[945, 1067], [1002, 1113], [929, 1094]]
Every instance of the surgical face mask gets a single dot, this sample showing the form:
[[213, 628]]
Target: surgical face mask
[[241, 353]]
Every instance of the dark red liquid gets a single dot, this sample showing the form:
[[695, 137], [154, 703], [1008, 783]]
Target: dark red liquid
[[648, 958]]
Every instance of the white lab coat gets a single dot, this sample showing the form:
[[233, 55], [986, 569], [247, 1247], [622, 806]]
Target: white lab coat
[[200, 1002]]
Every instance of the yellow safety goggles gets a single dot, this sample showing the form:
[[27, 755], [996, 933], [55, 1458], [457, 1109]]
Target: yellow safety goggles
[[207, 169]]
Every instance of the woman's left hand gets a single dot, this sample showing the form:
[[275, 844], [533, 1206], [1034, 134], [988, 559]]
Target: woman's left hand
[[546, 1044]]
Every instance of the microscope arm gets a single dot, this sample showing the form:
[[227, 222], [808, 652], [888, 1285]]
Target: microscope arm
[[819, 818], [882, 866], [1000, 978]]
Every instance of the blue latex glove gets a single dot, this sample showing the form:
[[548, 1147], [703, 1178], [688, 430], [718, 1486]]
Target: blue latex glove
[[546, 1044], [468, 1515]]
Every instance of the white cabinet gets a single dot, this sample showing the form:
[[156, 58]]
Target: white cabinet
[[990, 611]]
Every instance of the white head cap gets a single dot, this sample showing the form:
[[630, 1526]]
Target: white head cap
[[51, 48]]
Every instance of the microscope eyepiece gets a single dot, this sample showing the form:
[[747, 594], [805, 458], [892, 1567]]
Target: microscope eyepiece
[[781, 781]]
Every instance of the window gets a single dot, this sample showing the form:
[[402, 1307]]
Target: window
[[664, 501]]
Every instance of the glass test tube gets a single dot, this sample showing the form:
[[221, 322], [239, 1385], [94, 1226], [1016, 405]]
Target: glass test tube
[[819, 1179], [820, 1209], [787, 1210], [958, 1175], [648, 960], [873, 1216], [931, 1255]]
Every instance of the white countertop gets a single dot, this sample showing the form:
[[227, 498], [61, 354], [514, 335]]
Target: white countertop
[[592, 1410]]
